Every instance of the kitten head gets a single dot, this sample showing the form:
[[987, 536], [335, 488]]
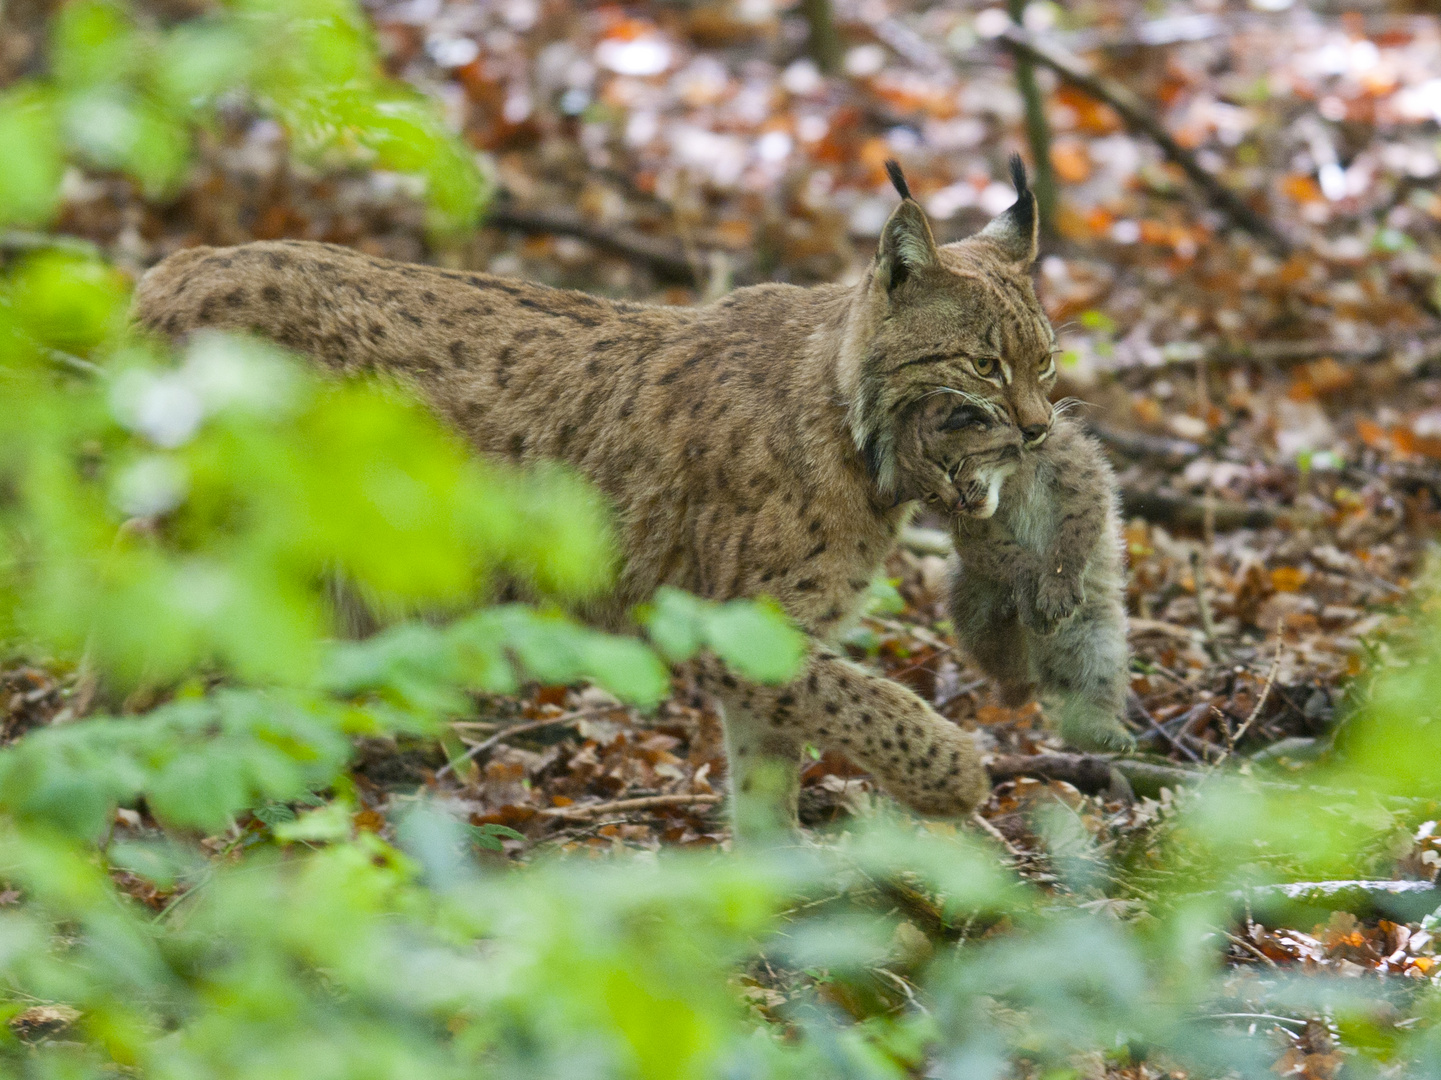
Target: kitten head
[[948, 355]]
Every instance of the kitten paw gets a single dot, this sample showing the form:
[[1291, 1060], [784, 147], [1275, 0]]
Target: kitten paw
[[1098, 734], [1057, 596]]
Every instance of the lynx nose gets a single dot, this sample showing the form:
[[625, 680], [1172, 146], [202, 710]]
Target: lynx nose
[[1035, 434]]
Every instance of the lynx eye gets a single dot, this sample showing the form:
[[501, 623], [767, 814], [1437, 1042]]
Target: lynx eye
[[965, 416], [985, 366]]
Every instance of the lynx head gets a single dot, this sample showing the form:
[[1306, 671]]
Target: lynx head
[[949, 358]]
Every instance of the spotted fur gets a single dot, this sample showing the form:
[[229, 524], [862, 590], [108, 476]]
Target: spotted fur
[[768, 443]]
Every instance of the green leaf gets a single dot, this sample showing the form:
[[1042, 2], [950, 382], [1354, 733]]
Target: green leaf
[[488, 837], [673, 621], [66, 301], [34, 161], [328, 824], [757, 639]]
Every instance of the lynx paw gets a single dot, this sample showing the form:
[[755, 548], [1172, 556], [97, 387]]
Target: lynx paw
[[1056, 598]]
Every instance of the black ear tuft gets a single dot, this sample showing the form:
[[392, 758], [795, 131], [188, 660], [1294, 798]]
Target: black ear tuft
[[1015, 231], [898, 178], [1018, 175]]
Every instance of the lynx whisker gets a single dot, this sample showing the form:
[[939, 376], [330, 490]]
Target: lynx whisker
[[1068, 405], [989, 407]]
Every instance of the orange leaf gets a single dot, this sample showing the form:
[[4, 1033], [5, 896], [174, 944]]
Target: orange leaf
[[1099, 222], [369, 821], [1302, 189], [1154, 232], [873, 155], [1328, 377], [1148, 411], [1373, 434], [1071, 160], [1288, 579]]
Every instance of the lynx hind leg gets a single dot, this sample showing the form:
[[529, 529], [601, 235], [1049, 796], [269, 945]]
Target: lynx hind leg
[[989, 630], [1083, 677], [762, 771]]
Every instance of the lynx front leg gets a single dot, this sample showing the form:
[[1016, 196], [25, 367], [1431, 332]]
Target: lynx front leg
[[919, 757]]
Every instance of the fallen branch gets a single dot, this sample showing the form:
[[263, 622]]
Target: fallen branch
[[1171, 510], [1140, 444], [823, 40], [1327, 890], [1092, 774], [1084, 772], [666, 257], [1156, 506], [644, 802], [1139, 119], [1418, 347], [1401, 900], [23, 241], [1139, 627]]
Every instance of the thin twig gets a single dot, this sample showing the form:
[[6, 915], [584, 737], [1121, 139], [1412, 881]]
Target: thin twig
[[1038, 132], [645, 802], [74, 364], [961, 691], [998, 836], [1254, 1016], [1203, 604], [1138, 118], [515, 729], [1242, 943], [666, 257], [1134, 703], [1138, 627], [1265, 690]]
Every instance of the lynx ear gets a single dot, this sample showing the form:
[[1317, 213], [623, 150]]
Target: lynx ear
[[1014, 232], [907, 246]]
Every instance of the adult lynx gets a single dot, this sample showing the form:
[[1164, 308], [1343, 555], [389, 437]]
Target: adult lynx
[[770, 443]]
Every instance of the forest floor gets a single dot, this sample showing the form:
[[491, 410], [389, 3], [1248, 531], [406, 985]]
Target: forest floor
[[1272, 404]]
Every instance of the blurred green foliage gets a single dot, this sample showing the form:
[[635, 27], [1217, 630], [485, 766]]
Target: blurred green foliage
[[173, 520], [126, 94]]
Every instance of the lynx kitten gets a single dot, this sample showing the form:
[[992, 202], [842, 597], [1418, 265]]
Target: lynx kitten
[[1037, 589]]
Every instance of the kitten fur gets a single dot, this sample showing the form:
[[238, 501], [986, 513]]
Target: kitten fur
[[769, 443], [1037, 589]]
